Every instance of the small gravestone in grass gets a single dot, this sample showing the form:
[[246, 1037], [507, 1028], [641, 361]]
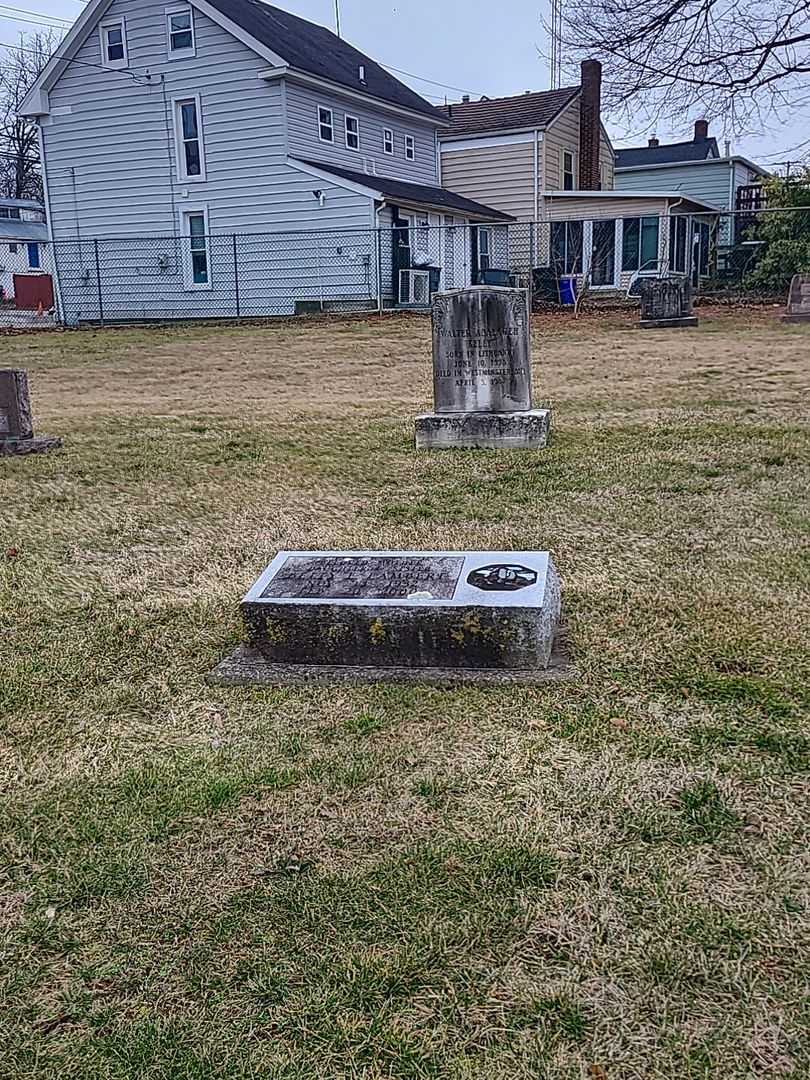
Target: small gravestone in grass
[[798, 306], [666, 302], [16, 424], [482, 380], [409, 616]]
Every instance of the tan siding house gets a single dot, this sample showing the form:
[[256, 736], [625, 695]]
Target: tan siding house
[[502, 174]]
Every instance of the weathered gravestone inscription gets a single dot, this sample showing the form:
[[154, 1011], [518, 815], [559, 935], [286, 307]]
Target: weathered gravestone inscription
[[798, 306], [16, 425], [666, 302], [405, 611], [482, 383]]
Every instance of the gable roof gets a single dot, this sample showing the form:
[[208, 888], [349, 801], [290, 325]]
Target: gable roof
[[694, 150], [405, 191], [317, 50], [535, 110], [276, 35]]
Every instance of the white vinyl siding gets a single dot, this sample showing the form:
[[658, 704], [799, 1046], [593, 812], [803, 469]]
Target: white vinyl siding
[[302, 133]]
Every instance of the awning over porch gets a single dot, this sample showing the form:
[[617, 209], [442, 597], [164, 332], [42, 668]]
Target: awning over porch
[[418, 195]]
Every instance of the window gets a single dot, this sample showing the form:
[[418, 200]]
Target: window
[[33, 256], [640, 243], [484, 249], [195, 229], [113, 43], [352, 133], [188, 139], [12, 249], [566, 246], [326, 126], [10, 212], [180, 32], [388, 141], [603, 254], [568, 171], [410, 148], [677, 244]]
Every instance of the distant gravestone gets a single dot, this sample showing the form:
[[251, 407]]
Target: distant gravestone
[[409, 614], [16, 424], [482, 383], [798, 306], [666, 302]]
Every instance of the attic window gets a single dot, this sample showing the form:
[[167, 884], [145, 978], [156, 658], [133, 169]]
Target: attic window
[[180, 32], [113, 43]]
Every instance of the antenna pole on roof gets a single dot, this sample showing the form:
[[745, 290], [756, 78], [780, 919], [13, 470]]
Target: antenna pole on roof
[[556, 44], [337, 17]]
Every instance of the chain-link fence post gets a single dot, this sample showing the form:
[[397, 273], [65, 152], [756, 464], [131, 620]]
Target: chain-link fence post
[[236, 277], [98, 284], [378, 249]]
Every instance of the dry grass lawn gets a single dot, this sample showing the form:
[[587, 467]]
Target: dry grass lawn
[[605, 879]]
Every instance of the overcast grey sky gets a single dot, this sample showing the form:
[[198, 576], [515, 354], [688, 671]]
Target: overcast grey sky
[[481, 48]]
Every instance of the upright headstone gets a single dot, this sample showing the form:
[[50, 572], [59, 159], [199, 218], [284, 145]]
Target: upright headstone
[[482, 381], [798, 306], [16, 424], [392, 614], [666, 302]]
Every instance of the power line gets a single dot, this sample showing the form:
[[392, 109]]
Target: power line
[[36, 14], [433, 82], [72, 60], [35, 22]]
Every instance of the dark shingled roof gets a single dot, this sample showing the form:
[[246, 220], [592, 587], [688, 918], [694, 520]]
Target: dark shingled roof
[[421, 194], [316, 50], [663, 155], [514, 113]]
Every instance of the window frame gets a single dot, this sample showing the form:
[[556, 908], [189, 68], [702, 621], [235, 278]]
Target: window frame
[[564, 172], [103, 27], [36, 263], [180, 54], [10, 213], [356, 133], [568, 268], [180, 143], [388, 140], [641, 268], [484, 232], [410, 144], [331, 125], [186, 213]]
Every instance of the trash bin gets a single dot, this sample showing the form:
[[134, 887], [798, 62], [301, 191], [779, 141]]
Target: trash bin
[[568, 290]]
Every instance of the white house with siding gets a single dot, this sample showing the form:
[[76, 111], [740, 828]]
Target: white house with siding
[[697, 170], [24, 251], [192, 150]]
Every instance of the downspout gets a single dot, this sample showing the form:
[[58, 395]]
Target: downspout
[[378, 234], [60, 310], [669, 236], [534, 227], [731, 203]]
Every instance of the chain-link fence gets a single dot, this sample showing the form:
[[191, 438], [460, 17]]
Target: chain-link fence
[[599, 258]]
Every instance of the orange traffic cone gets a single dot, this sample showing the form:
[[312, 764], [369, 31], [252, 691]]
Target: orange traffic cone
[[40, 310]]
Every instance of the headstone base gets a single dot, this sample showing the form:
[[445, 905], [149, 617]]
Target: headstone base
[[797, 318], [38, 445], [484, 431], [663, 324], [246, 666]]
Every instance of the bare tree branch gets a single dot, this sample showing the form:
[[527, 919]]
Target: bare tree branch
[[724, 57], [20, 176]]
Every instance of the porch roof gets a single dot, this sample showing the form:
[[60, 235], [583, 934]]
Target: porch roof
[[422, 195]]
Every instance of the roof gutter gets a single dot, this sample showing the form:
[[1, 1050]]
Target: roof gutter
[[284, 71]]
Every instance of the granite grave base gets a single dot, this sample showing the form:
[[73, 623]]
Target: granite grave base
[[367, 614], [527, 430], [665, 324], [40, 444], [246, 666]]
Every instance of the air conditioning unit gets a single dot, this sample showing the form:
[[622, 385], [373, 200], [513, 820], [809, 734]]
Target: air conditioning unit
[[414, 287]]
